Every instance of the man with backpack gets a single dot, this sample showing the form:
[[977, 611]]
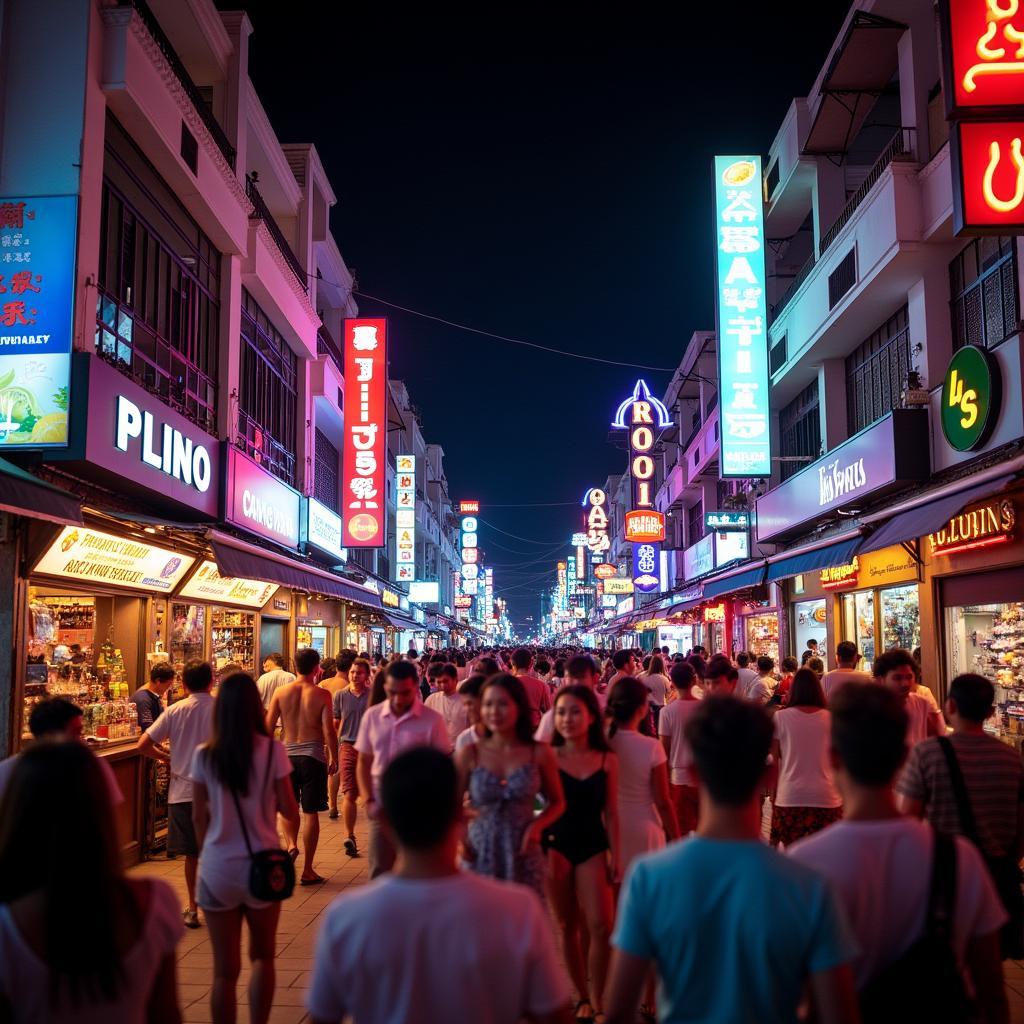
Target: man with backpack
[[921, 906]]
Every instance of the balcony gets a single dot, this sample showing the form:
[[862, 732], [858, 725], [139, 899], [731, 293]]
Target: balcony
[[327, 346], [261, 212]]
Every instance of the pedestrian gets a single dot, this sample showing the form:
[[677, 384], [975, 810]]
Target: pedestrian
[[881, 865], [446, 701], [537, 692], [810, 652], [307, 727], [646, 814], [274, 675], [399, 722], [816, 665], [789, 667], [721, 678], [805, 798], [672, 730], [736, 931], [972, 784], [186, 725], [625, 665], [349, 706], [582, 672], [745, 674], [503, 773], [470, 691], [558, 679], [897, 669], [581, 846], [657, 684], [149, 698], [762, 687], [377, 694], [242, 780], [847, 660], [434, 915], [76, 953]]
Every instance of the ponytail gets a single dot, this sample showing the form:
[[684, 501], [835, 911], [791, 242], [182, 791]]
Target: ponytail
[[626, 697]]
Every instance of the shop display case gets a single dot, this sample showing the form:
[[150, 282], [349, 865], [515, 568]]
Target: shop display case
[[233, 638], [186, 634], [763, 635]]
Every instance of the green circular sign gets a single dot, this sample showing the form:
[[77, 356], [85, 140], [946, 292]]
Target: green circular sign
[[970, 398]]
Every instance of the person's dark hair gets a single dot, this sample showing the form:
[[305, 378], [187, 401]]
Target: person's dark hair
[[345, 660], [789, 664], [916, 652], [580, 664], [57, 801], [742, 659], [699, 665], [846, 652], [361, 663], [816, 665], [487, 666], [559, 669], [329, 667], [765, 664], [682, 675], [419, 795], [517, 692], [402, 670], [276, 657], [869, 732], [973, 696], [585, 695], [812, 644], [620, 659], [377, 692], [522, 658], [306, 660], [238, 718], [197, 676], [625, 698], [896, 657], [806, 690], [720, 665], [805, 657], [473, 685], [53, 715], [162, 672], [730, 739], [657, 665]]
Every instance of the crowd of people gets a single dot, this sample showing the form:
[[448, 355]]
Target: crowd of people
[[559, 835]]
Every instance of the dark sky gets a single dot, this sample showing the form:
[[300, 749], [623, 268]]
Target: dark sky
[[540, 176]]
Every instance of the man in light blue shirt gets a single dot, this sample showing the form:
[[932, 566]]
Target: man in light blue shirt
[[735, 930]]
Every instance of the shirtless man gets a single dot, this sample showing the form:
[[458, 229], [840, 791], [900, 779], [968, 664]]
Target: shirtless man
[[304, 709]]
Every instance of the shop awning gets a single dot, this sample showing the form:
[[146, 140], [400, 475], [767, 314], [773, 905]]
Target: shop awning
[[25, 495], [237, 558], [399, 622], [748, 576], [928, 518], [839, 553]]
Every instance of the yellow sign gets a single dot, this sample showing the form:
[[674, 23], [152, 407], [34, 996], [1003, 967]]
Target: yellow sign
[[837, 576], [618, 586], [390, 598], [993, 523]]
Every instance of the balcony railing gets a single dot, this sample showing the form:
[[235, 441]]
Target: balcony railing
[[261, 211], [900, 147], [202, 107], [327, 346], [265, 449], [794, 287]]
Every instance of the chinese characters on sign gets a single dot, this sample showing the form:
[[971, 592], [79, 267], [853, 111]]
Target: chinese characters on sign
[[470, 553], [985, 55], [405, 518], [838, 576], [742, 318], [364, 455], [37, 262], [645, 567]]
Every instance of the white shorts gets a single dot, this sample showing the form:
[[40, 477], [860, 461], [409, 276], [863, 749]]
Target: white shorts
[[224, 885]]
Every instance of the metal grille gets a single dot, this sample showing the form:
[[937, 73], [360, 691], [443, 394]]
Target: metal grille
[[267, 393], [800, 430], [842, 279], [777, 355], [325, 472], [694, 523], [985, 303], [876, 373]]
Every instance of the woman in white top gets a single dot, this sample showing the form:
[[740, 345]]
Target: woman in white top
[[657, 684], [110, 956], [806, 799], [241, 761]]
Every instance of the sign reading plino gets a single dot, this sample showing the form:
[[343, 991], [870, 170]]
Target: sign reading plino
[[742, 318], [364, 456]]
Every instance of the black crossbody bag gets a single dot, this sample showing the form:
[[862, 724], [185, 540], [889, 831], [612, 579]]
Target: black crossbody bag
[[1004, 870], [271, 872]]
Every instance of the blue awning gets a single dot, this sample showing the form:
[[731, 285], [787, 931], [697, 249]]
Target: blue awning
[[928, 518], [750, 577], [839, 553]]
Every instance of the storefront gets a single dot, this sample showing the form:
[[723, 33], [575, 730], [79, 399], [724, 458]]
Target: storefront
[[758, 626]]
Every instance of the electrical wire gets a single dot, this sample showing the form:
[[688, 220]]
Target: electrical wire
[[525, 540]]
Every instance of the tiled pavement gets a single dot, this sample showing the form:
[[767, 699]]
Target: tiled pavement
[[299, 925]]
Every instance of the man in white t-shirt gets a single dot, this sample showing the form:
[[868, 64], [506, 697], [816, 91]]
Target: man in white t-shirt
[[880, 862], [671, 727], [897, 670], [847, 657], [446, 700], [434, 915], [185, 724], [745, 674], [583, 672], [273, 678]]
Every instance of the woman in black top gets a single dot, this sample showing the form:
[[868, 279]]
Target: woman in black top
[[582, 845]]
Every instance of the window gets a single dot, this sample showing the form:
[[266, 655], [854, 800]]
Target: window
[[694, 523], [984, 302], [325, 473], [777, 355], [800, 431], [157, 306], [842, 279], [876, 373], [267, 393]]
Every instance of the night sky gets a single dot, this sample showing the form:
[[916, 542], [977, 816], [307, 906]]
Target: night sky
[[540, 177]]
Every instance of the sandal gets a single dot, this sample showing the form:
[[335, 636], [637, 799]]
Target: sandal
[[315, 880]]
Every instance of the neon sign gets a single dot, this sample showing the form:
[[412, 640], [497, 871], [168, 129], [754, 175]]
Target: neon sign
[[405, 532], [596, 521], [745, 447], [993, 523], [989, 175], [645, 526], [838, 576], [984, 54], [714, 613]]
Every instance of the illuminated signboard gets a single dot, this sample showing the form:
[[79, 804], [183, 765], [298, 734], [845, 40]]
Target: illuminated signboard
[[37, 269], [469, 507], [988, 176], [725, 522], [389, 598], [470, 586], [618, 586], [596, 521], [579, 540], [645, 567], [993, 523], [605, 570], [642, 414], [323, 529], [645, 526], [608, 600], [463, 601], [489, 589], [468, 526], [425, 592], [364, 453], [714, 613], [745, 447], [838, 576], [405, 501], [971, 393], [561, 592], [81, 553], [259, 501], [207, 584]]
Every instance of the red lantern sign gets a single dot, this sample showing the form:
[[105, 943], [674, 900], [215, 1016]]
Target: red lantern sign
[[469, 506], [605, 570], [988, 175], [645, 525], [984, 61], [365, 444]]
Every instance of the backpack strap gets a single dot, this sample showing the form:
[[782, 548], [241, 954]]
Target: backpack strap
[[942, 897], [968, 825]]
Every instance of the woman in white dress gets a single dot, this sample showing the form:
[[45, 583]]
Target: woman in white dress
[[646, 814]]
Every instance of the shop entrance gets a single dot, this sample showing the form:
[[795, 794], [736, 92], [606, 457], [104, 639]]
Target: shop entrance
[[272, 638], [878, 620]]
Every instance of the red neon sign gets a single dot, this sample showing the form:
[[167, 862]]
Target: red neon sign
[[644, 525], [984, 58], [469, 506], [365, 445], [990, 178]]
